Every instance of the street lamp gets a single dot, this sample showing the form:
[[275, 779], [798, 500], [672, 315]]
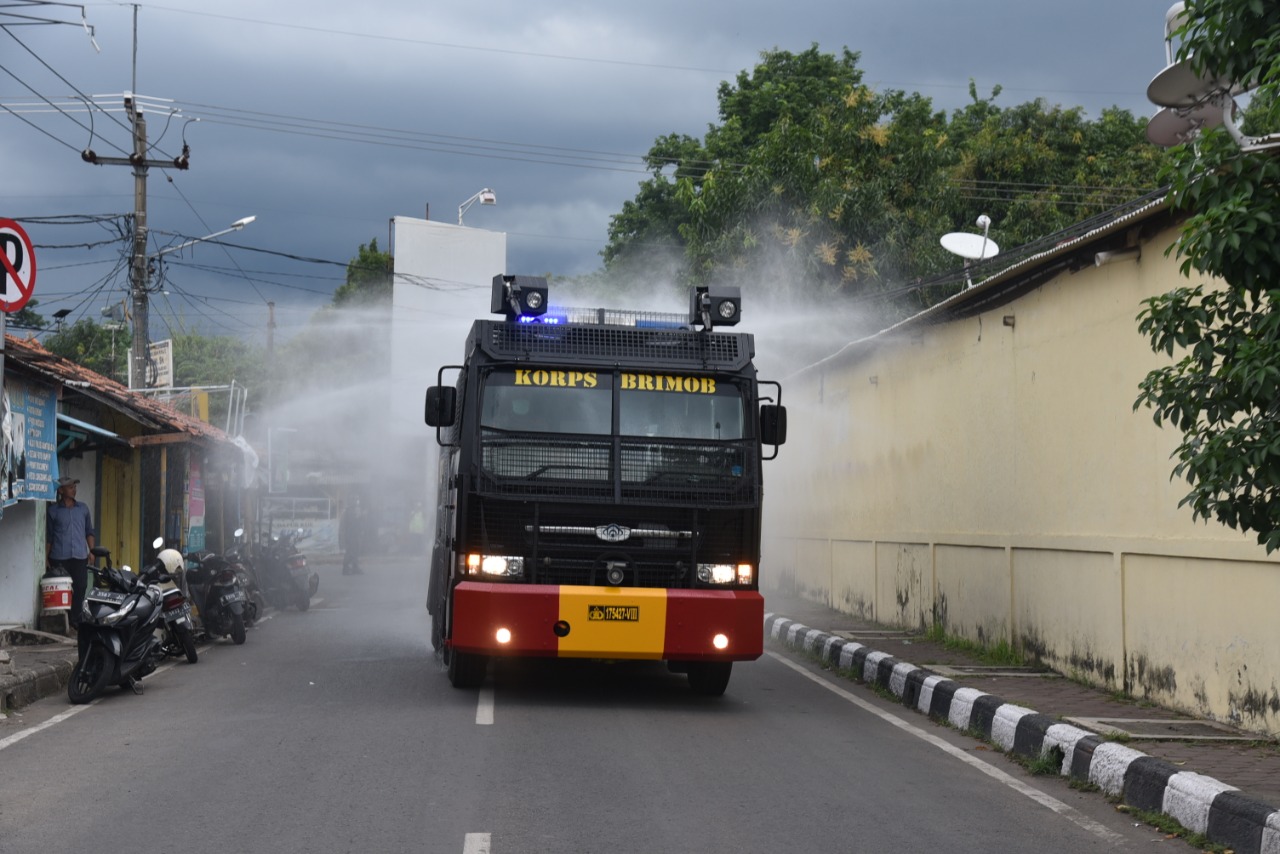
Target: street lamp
[[139, 357], [484, 197], [235, 226]]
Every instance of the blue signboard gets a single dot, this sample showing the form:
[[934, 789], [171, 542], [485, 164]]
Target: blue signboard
[[29, 439]]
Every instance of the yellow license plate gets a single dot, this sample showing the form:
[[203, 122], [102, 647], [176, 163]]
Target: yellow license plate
[[613, 613]]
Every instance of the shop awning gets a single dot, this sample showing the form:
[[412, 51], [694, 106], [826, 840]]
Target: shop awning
[[72, 430]]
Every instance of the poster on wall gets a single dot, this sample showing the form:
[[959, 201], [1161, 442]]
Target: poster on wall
[[195, 508], [28, 442]]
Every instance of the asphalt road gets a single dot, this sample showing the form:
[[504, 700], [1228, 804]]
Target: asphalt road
[[336, 730]]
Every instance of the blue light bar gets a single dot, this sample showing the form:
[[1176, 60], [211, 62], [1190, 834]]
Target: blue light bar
[[571, 316]]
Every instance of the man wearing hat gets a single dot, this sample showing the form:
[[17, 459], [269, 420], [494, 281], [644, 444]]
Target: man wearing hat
[[69, 539]]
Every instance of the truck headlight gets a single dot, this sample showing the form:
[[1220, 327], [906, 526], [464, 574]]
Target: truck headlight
[[725, 573], [501, 566]]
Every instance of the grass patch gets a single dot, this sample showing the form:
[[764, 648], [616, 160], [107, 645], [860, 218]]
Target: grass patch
[[1001, 653], [1045, 765], [1078, 785], [1173, 830]]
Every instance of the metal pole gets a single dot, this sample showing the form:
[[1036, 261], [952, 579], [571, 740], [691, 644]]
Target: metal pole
[[138, 277]]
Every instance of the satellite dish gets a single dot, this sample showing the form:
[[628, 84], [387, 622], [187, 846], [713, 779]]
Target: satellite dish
[[1173, 126], [1179, 86], [972, 246]]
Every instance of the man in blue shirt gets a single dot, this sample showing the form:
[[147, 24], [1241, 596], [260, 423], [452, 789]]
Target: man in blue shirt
[[69, 539]]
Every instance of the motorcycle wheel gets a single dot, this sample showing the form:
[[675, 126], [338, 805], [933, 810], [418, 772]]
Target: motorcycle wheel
[[89, 678], [304, 600], [188, 641], [237, 629]]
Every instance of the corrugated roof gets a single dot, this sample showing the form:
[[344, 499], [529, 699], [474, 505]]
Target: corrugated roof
[[158, 417]]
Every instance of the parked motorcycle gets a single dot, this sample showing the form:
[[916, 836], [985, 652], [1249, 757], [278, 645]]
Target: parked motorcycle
[[283, 571], [218, 594], [256, 604], [119, 621], [179, 637]]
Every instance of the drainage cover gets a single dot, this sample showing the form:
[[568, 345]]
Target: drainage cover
[[958, 670], [1160, 729], [875, 634]]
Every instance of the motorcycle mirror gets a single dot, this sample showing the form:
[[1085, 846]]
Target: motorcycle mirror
[[239, 533], [157, 542]]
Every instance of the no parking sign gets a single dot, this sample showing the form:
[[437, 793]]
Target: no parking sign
[[18, 258]]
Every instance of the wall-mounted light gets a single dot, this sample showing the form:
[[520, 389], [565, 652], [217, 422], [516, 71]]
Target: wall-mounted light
[[1008, 320], [1116, 255]]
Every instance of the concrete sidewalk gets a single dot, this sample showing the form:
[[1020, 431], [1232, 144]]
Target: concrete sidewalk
[[1213, 779], [33, 665]]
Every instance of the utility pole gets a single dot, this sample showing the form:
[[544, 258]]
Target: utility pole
[[271, 328], [139, 357]]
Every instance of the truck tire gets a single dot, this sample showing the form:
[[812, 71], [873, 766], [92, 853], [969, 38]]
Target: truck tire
[[709, 678], [467, 670]]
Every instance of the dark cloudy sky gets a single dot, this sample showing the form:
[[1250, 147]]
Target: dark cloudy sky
[[325, 120]]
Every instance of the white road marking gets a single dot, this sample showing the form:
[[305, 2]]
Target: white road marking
[[10, 740], [476, 843], [1070, 813], [484, 709]]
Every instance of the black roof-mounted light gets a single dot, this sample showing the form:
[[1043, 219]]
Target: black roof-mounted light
[[715, 305], [518, 296]]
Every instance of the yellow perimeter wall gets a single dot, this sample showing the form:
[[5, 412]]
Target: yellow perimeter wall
[[991, 474]]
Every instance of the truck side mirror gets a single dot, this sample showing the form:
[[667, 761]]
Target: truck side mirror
[[773, 424], [441, 403]]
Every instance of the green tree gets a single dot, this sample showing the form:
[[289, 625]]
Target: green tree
[[1223, 391], [815, 181], [368, 278], [27, 317], [93, 346]]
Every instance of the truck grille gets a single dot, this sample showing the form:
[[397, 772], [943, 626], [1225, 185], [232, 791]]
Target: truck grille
[[632, 471], [651, 546]]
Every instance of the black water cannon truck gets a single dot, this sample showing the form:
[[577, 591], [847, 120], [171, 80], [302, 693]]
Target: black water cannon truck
[[600, 487]]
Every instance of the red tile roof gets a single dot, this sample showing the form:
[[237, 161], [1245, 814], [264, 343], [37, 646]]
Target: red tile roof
[[157, 416]]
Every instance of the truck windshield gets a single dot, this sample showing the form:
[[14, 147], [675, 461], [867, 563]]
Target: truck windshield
[[679, 407], [581, 402], [548, 401]]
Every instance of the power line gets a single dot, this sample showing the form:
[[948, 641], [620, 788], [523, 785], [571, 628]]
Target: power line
[[478, 48]]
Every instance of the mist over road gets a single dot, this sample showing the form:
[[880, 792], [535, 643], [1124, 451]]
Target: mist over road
[[336, 730]]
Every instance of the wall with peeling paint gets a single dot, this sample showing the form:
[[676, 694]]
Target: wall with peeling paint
[[971, 584], [988, 472]]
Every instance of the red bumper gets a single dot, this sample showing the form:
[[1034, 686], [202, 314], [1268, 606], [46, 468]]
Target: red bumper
[[607, 622]]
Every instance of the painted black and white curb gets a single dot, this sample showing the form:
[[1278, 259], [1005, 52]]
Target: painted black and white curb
[[1199, 803]]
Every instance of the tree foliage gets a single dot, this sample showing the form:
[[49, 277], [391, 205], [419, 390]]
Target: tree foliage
[[813, 177], [93, 346], [1223, 392], [368, 278]]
